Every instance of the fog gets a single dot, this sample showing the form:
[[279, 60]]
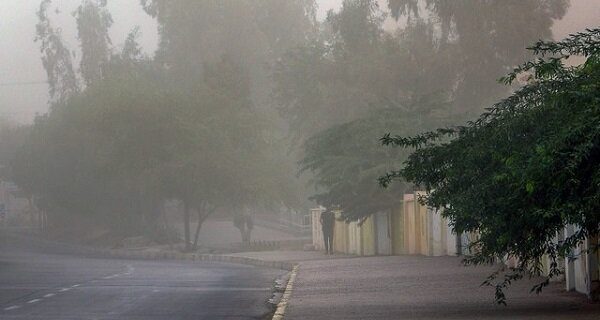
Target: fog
[[408, 135], [22, 60], [212, 126]]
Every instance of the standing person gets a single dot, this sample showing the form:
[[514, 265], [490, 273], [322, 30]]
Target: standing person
[[327, 223]]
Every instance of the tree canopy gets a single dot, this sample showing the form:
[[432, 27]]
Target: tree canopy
[[490, 39], [143, 130], [435, 69], [526, 168]]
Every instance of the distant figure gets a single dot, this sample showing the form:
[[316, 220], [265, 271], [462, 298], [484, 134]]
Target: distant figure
[[327, 223]]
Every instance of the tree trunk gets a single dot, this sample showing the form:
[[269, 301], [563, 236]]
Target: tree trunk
[[197, 234], [186, 225], [248, 234], [203, 213]]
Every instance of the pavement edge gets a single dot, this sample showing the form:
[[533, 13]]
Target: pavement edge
[[287, 294], [162, 255]]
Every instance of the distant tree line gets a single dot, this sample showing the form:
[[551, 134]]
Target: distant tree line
[[125, 131]]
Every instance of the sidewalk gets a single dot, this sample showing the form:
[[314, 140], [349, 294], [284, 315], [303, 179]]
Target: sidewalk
[[415, 287]]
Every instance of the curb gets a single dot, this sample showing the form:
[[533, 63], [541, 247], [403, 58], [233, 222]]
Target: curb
[[282, 305], [165, 255]]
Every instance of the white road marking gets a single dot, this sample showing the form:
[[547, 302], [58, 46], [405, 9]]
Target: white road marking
[[49, 295], [155, 290], [231, 289], [64, 289], [75, 285], [34, 300], [12, 308]]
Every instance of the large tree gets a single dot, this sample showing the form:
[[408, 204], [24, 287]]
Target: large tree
[[526, 168], [437, 68], [251, 35], [340, 92], [490, 36]]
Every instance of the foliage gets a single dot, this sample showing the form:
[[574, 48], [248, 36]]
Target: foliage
[[330, 79], [189, 124], [11, 139], [56, 58], [526, 168], [490, 37], [93, 22], [251, 35], [346, 162], [339, 93]]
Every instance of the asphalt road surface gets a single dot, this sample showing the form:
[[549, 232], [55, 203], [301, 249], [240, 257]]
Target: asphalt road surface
[[44, 282]]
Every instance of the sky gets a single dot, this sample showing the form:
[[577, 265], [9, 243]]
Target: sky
[[20, 56]]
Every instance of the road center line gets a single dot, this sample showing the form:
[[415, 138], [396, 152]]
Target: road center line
[[12, 308], [64, 289], [49, 295], [34, 300]]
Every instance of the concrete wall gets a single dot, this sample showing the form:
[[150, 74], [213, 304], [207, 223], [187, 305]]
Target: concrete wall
[[384, 233], [317, 231], [397, 227], [354, 238], [425, 231], [368, 237], [411, 228], [340, 235], [582, 272]]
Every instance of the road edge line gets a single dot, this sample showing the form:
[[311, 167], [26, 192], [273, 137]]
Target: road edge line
[[287, 294]]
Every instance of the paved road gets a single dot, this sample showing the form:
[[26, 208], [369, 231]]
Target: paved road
[[36, 285], [413, 287]]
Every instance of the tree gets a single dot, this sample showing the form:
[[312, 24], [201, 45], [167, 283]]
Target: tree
[[526, 168], [490, 37], [74, 161], [56, 58], [197, 37], [346, 161], [333, 78], [252, 34], [93, 22], [343, 91], [11, 139]]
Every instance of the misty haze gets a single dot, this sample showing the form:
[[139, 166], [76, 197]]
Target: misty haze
[[299, 159]]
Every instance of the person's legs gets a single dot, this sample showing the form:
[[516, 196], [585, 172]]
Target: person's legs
[[330, 242], [326, 241]]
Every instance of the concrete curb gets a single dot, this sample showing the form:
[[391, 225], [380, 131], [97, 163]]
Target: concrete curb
[[287, 294], [166, 255]]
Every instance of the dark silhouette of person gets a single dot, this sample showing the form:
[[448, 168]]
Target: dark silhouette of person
[[327, 223]]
